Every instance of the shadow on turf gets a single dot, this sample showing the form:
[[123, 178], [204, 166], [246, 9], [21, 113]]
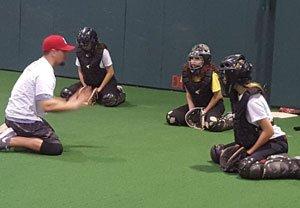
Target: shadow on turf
[[212, 168], [68, 147], [76, 154], [174, 126], [126, 104]]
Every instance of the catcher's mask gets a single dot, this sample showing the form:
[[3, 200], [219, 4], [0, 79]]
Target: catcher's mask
[[235, 69], [195, 62], [87, 39]]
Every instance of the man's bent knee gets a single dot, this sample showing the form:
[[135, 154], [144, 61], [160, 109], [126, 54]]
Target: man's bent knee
[[51, 148]]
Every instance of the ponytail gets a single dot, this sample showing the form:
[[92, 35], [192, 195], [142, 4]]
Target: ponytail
[[254, 85]]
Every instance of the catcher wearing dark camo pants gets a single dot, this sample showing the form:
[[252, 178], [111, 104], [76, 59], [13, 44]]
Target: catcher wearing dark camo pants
[[95, 70], [204, 108], [259, 148]]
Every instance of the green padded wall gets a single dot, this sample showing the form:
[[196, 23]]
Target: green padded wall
[[149, 40], [286, 73], [9, 34], [31, 20]]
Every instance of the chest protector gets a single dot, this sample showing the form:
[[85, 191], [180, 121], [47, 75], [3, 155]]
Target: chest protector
[[245, 133], [200, 91], [93, 75]]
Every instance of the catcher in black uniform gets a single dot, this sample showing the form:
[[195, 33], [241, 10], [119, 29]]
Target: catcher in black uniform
[[95, 70], [204, 108], [259, 148]]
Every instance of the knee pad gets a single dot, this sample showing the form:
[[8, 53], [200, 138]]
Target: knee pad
[[51, 148], [171, 118], [282, 168], [109, 100], [113, 99], [251, 169], [121, 96], [210, 122], [66, 93], [215, 152], [272, 168], [120, 88], [219, 124]]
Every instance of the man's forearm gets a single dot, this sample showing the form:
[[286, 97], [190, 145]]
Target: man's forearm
[[56, 104]]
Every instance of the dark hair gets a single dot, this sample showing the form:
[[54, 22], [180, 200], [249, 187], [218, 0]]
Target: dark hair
[[100, 46]]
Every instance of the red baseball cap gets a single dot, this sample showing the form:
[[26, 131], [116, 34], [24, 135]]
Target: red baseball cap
[[56, 42]]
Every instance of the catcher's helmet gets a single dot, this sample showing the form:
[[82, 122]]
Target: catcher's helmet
[[87, 38], [204, 52], [235, 69]]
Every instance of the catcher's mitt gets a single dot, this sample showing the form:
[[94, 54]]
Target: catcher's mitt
[[195, 118], [93, 98], [86, 94], [230, 158]]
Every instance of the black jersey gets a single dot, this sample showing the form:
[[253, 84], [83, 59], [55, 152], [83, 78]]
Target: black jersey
[[93, 74], [245, 133], [200, 90]]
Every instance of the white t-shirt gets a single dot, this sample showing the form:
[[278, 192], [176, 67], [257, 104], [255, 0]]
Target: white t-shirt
[[105, 62], [257, 109], [36, 83]]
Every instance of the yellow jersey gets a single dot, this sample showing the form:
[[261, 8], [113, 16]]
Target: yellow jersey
[[215, 83]]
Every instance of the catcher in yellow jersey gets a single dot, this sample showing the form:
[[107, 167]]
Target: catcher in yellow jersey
[[204, 108]]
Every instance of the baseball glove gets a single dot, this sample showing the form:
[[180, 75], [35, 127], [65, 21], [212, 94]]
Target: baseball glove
[[195, 118], [230, 158]]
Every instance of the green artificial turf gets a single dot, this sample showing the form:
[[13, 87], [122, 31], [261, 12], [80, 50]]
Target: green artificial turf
[[128, 157]]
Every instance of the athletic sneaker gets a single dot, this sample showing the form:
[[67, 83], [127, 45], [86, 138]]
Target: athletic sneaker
[[3, 127], [5, 138]]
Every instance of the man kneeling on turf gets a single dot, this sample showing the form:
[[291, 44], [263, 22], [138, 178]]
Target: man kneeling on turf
[[32, 96]]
